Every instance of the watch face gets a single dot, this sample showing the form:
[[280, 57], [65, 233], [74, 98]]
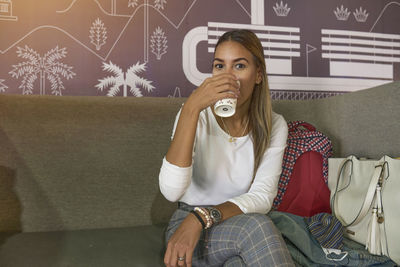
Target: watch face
[[216, 214]]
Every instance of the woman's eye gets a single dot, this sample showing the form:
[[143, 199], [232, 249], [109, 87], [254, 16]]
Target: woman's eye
[[240, 66], [218, 66]]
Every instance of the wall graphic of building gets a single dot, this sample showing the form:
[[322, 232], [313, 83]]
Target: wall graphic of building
[[356, 59], [6, 10]]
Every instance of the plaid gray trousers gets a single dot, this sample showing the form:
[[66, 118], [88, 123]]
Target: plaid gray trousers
[[243, 240]]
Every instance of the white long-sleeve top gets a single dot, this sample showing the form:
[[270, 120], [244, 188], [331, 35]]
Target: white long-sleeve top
[[222, 171]]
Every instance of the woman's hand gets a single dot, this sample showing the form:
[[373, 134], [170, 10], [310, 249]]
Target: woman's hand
[[213, 89], [183, 242]]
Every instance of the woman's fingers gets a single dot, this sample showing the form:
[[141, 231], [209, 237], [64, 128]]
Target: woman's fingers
[[179, 256], [188, 260], [181, 259], [213, 89], [226, 95], [167, 255], [224, 82], [217, 87], [222, 88], [176, 254]]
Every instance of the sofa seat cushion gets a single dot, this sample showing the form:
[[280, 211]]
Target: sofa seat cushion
[[134, 246]]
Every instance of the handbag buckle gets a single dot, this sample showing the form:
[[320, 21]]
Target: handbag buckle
[[350, 232]]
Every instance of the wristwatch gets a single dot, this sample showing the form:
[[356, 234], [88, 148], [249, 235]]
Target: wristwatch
[[215, 214]]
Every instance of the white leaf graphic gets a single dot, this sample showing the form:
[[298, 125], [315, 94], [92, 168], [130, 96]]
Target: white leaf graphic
[[159, 4], [98, 34], [118, 81], [158, 43]]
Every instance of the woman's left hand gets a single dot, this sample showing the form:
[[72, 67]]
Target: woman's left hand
[[183, 242]]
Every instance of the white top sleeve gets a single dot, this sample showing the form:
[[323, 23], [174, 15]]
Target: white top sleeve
[[174, 180]]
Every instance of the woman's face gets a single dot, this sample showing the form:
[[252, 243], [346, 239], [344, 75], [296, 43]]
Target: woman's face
[[232, 57]]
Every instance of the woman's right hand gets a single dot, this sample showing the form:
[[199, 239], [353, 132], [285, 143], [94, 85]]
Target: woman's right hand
[[183, 242], [213, 89]]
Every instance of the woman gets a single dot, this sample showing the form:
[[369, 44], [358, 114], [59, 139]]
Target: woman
[[224, 171]]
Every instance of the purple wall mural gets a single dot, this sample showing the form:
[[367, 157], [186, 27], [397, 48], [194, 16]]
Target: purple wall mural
[[164, 48]]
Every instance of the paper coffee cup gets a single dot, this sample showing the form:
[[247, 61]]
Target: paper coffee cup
[[226, 107]]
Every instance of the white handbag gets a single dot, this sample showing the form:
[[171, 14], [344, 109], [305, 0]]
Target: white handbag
[[365, 197]]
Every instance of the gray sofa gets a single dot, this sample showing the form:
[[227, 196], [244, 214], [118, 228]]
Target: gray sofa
[[79, 175]]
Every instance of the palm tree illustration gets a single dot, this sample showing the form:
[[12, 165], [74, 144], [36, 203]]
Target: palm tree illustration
[[124, 80], [3, 87], [46, 67]]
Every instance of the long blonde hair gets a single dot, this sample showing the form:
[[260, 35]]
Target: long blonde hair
[[260, 111]]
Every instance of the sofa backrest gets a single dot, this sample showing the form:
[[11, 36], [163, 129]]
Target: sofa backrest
[[93, 162], [82, 162], [365, 123]]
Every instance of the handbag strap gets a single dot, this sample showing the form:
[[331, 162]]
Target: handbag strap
[[377, 175], [334, 200]]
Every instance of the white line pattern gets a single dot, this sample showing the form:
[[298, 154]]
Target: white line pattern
[[381, 14]]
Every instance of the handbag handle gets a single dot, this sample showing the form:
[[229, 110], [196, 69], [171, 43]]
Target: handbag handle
[[377, 175], [294, 125], [334, 198]]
